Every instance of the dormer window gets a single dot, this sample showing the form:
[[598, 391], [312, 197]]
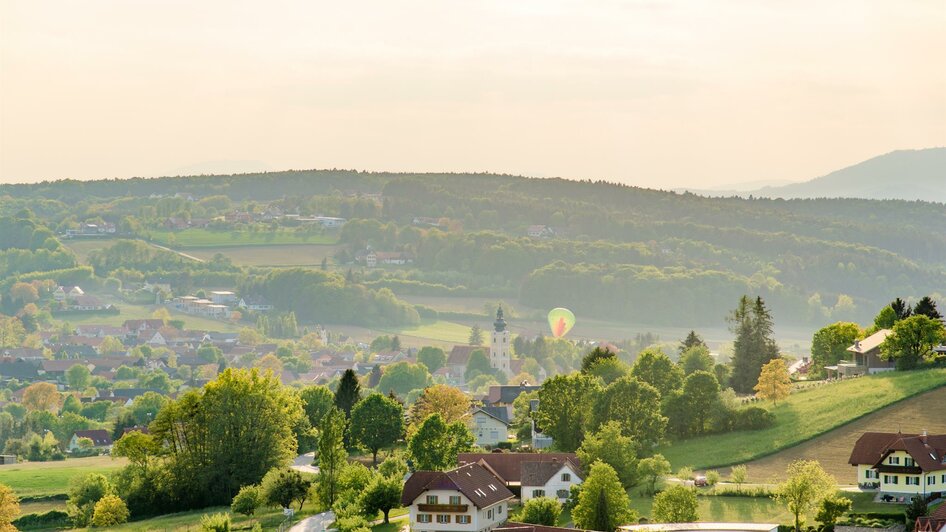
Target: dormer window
[[432, 499], [909, 462], [894, 460]]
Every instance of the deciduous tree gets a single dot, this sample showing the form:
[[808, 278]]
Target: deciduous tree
[[377, 422], [653, 469], [603, 504], [448, 401], [332, 455], [381, 495], [283, 486], [403, 377], [634, 405], [806, 484], [676, 504], [610, 446], [9, 508], [696, 358], [541, 511], [774, 381], [435, 445], [655, 368], [564, 409], [41, 396], [829, 344], [432, 357], [913, 340]]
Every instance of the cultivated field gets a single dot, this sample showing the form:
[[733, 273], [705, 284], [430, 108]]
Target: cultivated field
[[275, 255], [803, 416], [203, 238], [926, 411], [138, 312], [32, 479]]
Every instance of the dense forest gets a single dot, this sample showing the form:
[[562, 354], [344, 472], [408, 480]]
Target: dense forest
[[611, 251]]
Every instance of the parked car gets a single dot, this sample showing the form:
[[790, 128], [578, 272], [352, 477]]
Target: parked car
[[700, 481]]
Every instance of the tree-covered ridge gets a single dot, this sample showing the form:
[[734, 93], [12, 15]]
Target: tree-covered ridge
[[811, 259]]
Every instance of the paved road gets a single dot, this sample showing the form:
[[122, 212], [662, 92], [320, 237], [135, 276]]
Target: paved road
[[316, 523], [303, 463]]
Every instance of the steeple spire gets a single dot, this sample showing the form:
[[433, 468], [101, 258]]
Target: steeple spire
[[500, 323]]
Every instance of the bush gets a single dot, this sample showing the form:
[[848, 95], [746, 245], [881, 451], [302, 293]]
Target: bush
[[753, 418], [685, 473], [541, 511], [48, 520], [247, 500], [83, 495], [712, 477], [109, 511], [215, 523]]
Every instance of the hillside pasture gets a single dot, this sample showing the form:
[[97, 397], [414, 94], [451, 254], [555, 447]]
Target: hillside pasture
[[926, 411], [275, 255], [35, 479], [129, 311], [205, 238], [803, 416]]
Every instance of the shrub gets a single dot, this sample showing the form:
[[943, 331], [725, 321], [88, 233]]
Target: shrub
[[83, 495], [48, 520], [712, 477], [215, 523], [753, 418], [109, 511], [247, 500], [685, 473], [541, 511]]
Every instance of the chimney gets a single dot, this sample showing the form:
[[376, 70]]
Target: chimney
[[923, 436]]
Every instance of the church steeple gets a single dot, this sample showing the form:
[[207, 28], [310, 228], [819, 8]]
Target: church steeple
[[500, 323]]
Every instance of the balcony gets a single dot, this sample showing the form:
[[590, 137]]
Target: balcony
[[443, 508]]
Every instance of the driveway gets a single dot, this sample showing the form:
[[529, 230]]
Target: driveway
[[316, 523], [303, 463]]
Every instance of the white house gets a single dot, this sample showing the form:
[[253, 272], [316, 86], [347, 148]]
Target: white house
[[100, 439], [466, 499], [549, 479], [901, 464], [254, 303], [223, 297], [490, 425]]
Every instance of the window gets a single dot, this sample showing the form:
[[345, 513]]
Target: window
[[870, 473], [432, 499], [891, 479], [909, 462], [894, 460], [423, 518], [489, 514], [499, 509], [930, 480], [454, 499], [913, 481], [562, 494], [538, 493], [566, 477], [463, 519], [443, 519], [942, 479]]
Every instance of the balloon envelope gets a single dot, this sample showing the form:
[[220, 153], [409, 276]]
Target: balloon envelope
[[561, 320]]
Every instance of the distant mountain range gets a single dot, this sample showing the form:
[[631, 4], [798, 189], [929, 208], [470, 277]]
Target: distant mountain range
[[901, 174]]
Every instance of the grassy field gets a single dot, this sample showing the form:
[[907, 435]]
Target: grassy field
[[190, 521], [803, 416], [443, 331], [926, 411], [204, 238], [31, 479], [276, 255], [138, 312]]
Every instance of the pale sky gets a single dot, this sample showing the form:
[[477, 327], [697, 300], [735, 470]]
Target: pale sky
[[656, 93]]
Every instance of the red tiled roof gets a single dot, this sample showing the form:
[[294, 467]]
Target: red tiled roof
[[929, 451], [460, 354]]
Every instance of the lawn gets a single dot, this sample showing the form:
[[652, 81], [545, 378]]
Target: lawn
[[205, 238], [275, 255], [138, 312], [803, 416], [443, 331], [269, 518], [32, 479]]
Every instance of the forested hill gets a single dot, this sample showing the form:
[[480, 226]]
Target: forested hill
[[617, 252], [904, 174]]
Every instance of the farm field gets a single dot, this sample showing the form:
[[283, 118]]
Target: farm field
[[443, 331], [82, 246], [926, 411], [202, 238], [138, 312], [32, 479], [267, 517], [803, 416], [274, 255]]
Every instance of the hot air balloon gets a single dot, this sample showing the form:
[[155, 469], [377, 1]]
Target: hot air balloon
[[561, 320]]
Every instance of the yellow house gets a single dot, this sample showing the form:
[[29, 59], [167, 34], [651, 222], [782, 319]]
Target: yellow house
[[905, 464]]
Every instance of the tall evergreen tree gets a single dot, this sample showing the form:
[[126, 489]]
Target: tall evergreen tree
[[476, 335], [594, 356], [375, 376], [348, 392], [754, 345], [901, 308], [692, 340], [927, 307]]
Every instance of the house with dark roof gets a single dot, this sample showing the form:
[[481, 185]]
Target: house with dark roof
[[935, 522], [490, 425], [896, 463], [101, 439], [525, 472], [17, 368], [552, 479], [469, 498]]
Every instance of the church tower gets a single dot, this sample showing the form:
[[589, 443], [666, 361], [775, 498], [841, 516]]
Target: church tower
[[499, 348]]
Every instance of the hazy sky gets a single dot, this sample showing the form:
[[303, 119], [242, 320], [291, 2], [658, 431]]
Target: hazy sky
[[651, 92]]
